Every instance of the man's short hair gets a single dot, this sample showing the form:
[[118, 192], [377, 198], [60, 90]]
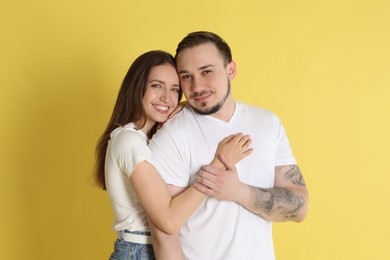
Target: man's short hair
[[197, 38]]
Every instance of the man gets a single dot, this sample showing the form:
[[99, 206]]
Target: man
[[235, 221]]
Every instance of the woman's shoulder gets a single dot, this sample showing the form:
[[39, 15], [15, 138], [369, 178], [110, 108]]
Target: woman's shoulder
[[127, 134]]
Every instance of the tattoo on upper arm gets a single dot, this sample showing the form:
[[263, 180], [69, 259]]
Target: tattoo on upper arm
[[293, 174]]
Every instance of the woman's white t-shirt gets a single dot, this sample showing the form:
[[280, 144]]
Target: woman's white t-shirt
[[126, 148]]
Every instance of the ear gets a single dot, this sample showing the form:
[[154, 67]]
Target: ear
[[232, 70]]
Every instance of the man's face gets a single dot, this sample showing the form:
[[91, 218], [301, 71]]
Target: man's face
[[204, 78]]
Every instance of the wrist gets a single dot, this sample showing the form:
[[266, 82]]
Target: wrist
[[218, 164], [243, 194]]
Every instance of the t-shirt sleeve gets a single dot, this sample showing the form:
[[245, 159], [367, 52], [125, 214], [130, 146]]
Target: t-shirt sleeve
[[128, 149], [170, 158], [284, 154]]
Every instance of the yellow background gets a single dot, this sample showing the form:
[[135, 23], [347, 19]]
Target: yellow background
[[322, 66]]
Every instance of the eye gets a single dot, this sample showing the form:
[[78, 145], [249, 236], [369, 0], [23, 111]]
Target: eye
[[184, 77], [176, 90], [205, 72], [155, 85]]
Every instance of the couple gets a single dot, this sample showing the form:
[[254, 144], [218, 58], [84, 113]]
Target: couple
[[198, 174]]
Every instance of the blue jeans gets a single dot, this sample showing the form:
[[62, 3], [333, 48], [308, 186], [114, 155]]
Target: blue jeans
[[124, 250]]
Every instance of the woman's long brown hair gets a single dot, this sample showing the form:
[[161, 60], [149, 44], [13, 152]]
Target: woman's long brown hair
[[128, 107]]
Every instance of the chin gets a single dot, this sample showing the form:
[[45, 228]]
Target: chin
[[207, 110], [161, 119]]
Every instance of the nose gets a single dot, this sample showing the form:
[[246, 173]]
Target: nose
[[196, 84], [163, 96], [166, 96]]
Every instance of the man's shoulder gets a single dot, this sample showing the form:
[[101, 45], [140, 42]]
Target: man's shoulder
[[181, 119], [259, 111], [176, 127]]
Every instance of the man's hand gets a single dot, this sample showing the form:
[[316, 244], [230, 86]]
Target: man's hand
[[218, 183], [287, 201]]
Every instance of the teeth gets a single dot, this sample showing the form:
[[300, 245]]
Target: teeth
[[163, 108]]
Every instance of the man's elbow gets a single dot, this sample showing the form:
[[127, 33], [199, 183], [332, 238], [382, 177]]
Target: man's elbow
[[300, 217], [302, 212]]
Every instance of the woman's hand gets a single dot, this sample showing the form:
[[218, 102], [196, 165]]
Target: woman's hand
[[179, 108], [234, 148], [220, 178]]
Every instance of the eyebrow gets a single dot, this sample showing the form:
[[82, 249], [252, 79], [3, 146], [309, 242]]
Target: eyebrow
[[162, 82], [157, 80], [200, 68]]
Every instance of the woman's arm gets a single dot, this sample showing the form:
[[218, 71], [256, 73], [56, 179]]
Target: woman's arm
[[166, 213], [165, 246], [170, 214]]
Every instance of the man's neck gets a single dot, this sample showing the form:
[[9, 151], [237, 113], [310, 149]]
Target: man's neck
[[227, 110]]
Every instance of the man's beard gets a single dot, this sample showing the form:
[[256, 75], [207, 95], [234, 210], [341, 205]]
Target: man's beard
[[217, 106]]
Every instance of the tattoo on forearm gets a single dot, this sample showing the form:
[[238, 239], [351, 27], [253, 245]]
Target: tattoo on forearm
[[278, 200]]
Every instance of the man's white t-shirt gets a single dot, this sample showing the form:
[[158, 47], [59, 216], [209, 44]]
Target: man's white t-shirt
[[126, 148], [222, 229]]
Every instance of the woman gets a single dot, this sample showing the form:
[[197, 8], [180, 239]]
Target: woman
[[149, 93]]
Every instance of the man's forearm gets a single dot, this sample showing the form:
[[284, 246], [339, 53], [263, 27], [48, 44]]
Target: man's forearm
[[287, 201], [276, 204]]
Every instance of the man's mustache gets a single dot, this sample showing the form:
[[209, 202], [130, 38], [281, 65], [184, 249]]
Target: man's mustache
[[202, 93]]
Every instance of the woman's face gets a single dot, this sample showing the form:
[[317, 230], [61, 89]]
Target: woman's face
[[161, 95]]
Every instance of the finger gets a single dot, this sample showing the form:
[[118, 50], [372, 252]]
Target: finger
[[201, 188], [175, 111], [228, 165], [237, 137], [209, 171], [244, 139], [247, 144], [206, 175], [205, 182], [248, 152], [227, 139]]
